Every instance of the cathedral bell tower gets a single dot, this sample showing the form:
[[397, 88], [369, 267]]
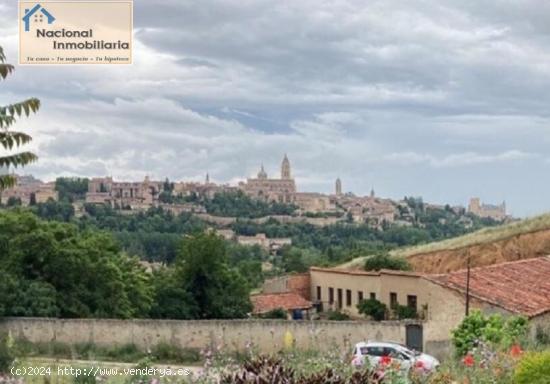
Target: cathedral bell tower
[[285, 169]]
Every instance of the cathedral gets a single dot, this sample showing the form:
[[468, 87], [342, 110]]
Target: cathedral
[[281, 190]]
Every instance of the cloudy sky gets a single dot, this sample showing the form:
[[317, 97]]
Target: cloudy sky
[[444, 100]]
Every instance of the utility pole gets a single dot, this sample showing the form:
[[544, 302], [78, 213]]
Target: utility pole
[[468, 284]]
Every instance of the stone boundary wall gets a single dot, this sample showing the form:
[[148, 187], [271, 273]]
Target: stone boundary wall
[[265, 335]]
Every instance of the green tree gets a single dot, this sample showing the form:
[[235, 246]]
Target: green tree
[[385, 261], [219, 291], [56, 269], [172, 300], [494, 329], [9, 140], [71, 189], [373, 308]]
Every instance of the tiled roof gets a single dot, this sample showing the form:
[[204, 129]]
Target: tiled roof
[[521, 287], [266, 302]]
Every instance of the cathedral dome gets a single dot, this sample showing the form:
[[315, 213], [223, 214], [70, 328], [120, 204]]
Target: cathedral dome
[[262, 174]]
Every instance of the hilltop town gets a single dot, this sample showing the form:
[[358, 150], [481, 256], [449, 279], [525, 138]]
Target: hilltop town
[[184, 196]]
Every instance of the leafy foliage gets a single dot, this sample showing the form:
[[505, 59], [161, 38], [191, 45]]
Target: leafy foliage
[[10, 140], [405, 312], [337, 316], [495, 329], [237, 204], [71, 189], [277, 313], [219, 291], [7, 355], [385, 261], [373, 308], [51, 269], [534, 368]]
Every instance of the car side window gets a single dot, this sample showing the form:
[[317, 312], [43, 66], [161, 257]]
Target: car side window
[[375, 351]]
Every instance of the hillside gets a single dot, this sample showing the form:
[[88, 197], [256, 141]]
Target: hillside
[[519, 240]]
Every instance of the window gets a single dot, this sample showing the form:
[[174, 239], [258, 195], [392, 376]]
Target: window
[[339, 298], [348, 297], [318, 293], [393, 300], [412, 302], [373, 296], [359, 296], [331, 295], [374, 351]]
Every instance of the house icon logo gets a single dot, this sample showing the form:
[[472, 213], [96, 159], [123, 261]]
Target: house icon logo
[[37, 14]]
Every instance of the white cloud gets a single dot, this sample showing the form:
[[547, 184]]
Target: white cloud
[[457, 159], [347, 88]]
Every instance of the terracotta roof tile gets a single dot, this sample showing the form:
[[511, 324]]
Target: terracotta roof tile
[[270, 301], [521, 287]]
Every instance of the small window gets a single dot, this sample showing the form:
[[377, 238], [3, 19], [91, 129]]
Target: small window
[[319, 293], [339, 298], [359, 296], [373, 296], [393, 300], [348, 297], [331, 295], [375, 351], [412, 302]]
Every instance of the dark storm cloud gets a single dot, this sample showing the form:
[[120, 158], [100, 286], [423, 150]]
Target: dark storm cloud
[[440, 99]]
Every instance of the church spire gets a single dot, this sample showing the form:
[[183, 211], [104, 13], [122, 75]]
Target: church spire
[[285, 169]]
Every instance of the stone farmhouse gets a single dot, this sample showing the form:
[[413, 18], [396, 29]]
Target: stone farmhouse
[[512, 288]]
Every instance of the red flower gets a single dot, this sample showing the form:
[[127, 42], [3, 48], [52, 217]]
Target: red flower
[[469, 360], [385, 360], [516, 350]]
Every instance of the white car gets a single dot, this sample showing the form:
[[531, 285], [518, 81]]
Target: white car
[[379, 353]]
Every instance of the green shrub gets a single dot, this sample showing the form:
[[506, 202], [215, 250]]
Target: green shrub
[[373, 308], [495, 329], [277, 313], [166, 352], [542, 336], [337, 316], [126, 353], [6, 352], [533, 368], [405, 312], [385, 261]]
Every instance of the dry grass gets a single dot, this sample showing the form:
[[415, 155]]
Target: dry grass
[[483, 236]]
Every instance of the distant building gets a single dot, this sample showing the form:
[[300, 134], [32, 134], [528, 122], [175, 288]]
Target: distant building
[[495, 212], [295, 306], [29, 190], [313, 202], [338, 187], [269, 244], [123, 194], [281, 190]]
